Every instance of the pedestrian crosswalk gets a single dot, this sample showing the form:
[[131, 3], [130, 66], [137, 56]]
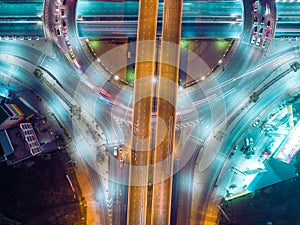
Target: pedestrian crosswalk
[[189, 124]]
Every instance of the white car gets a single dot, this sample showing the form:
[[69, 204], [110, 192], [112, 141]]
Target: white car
[[255, 6], [261, 30], [56, 7], [115, 151], [257, 41], [253, 39]]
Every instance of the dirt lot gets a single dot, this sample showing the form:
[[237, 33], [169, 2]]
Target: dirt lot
[[37, 192]]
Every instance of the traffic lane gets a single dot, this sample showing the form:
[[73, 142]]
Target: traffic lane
[[256, 78], [17, 10], [50, 64], [62, 72], [234, 100], [287, 29], [190, 9], [137, 195], [189, 29], [114, 186], [84, 62], [287, 8], [204, 185], [100, 195], [182, 194], [119, 188], [162, 177], [25, 28], [212, 8], [22, 51], [94, 8], [236, 66]]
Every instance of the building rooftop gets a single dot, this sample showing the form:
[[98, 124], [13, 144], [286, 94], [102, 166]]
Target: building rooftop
[[25, 110], [277, 171], [21, 152], [5, 144], [3, 115]]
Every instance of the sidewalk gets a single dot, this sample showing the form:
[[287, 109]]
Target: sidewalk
[[92, 216], [94, 137]]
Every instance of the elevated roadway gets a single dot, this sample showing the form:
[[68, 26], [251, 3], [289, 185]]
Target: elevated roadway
[[138, 203], [166, 113], [201, 28], [288, 19], [217, 19], [129, 9], [199, 18], [21, 18]]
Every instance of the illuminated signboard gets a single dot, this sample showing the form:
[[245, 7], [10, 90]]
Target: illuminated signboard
[[291, 146]]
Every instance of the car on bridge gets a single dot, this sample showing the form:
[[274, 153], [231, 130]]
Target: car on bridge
[[57, 7], [247, 142], [261, 30], [255, 20], [255, 6], [267, 35], [64, 24], [115, 151], [57, 31], [68, 44], [255, 30], [63, 12], [253, 39], [56, 18], [257, 41], [121, 163], [72, 54]]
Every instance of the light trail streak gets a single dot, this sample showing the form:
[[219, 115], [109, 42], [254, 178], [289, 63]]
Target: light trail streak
[[259, 67], [284, 59], [200, 102], [225, 94]]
